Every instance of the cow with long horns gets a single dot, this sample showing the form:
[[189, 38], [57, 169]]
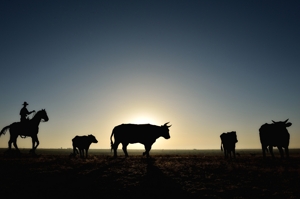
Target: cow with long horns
[[145, 134], [275, 135]]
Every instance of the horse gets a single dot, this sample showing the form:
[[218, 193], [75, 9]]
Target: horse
[[23, 129]]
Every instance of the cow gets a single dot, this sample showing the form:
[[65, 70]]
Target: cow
[[228, 141], [83, 143], [145, 134], [275, 135]]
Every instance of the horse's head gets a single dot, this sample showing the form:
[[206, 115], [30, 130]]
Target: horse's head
[[43, 115]]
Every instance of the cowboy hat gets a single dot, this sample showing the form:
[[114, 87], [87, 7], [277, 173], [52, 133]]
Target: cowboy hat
[[25, 103]]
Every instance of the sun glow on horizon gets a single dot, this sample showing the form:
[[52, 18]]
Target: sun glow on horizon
[[143, 119]]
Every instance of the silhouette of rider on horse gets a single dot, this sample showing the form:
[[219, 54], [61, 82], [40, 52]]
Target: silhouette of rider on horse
[[24, 112]]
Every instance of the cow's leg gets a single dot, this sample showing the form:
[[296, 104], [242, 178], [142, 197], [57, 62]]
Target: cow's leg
[[224, 152], [233, 151], [271, 151], [147, 148], [82, 153], [125, 148], [264, 151], [287, 152], [74, 150], [86, 152], [229, 152], [115, 147], [280, 151]]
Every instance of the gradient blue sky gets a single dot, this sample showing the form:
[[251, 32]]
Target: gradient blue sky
[[207, 67]]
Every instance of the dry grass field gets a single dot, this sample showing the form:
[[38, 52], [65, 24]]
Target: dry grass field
[[168, 173]]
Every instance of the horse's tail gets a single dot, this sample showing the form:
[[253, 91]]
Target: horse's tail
[[3, 131], [111, 142]]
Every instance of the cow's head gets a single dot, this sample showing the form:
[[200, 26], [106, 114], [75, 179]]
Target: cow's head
[[233, 133], [229, 137], [281, 126], [92, 139], [284, 123], [165, 131]]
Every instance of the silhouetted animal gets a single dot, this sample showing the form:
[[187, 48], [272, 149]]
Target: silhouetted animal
[[83, 143], [29, 128], [228, 141], [137, 133], [276, 135]]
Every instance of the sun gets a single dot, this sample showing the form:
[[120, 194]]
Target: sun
[[143, 119]]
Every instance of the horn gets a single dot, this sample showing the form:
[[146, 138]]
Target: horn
[[273, 122], [165, 124], [286, 121]]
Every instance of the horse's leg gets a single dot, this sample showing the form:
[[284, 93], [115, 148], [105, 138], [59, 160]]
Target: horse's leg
[[37, 143], [33, 143], [9, 144], [15, 144], [34, 140], [13, 140]]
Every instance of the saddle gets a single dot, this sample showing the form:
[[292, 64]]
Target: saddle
[[25, 128]]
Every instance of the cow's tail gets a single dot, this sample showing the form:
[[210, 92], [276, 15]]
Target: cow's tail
[[221, 146], [111, 142], [3, 131]]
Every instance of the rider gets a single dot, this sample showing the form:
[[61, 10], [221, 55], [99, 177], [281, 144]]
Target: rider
[[24, 112]]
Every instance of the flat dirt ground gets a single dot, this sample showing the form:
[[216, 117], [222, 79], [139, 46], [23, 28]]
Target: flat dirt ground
[[168, 173]]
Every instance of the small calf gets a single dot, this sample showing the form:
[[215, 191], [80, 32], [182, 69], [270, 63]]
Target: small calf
[[228, 141], [83, 143]]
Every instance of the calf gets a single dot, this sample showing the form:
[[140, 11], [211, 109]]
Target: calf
[[228, 141], [83, 143]]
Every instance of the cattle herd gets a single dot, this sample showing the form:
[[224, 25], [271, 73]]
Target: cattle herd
[[271, 135]]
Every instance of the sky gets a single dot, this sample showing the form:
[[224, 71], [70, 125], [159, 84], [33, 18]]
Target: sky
[[207, 67]]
